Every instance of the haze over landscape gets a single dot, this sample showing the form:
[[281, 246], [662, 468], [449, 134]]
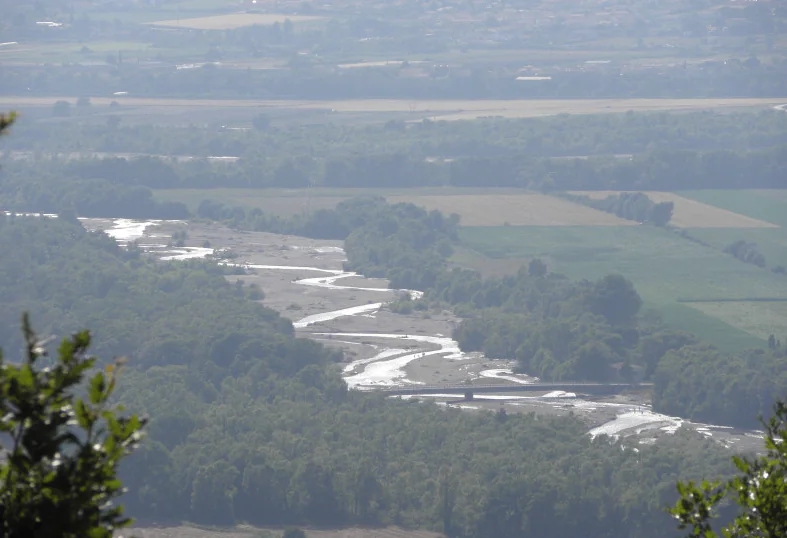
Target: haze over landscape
[[409, 269]]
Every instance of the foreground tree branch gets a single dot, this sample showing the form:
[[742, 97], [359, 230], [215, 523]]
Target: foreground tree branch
[[59, 477], [760, 491]]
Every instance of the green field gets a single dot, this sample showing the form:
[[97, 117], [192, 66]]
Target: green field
[[669, 272], [767, 205]]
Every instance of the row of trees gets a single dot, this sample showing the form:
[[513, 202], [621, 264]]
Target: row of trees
[[48, 190], [666, 171], [635, 206], [553, 136], [307, 81], [701, 382], [747, 252]]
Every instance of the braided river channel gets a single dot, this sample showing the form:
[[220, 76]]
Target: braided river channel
[[305, 281]]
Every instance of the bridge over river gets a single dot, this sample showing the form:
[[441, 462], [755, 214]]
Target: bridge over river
[[469, 391]]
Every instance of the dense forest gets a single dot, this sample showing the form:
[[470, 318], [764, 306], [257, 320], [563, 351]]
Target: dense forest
[[100, 129], [99, 187], [251, 424], [168, 314]]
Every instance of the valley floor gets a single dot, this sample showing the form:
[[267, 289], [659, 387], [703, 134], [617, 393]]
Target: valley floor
[[305, 281]]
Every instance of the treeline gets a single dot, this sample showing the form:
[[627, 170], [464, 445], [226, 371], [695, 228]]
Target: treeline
[[747, 252], [401, 242], [168, 314], [660, 170], [700, 382], [306, 81], [269, 137], [636, 206], [663, 170], [47, 189], [554, 329], [251, 424]]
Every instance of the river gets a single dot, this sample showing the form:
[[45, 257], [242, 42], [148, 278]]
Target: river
[[395, 354]]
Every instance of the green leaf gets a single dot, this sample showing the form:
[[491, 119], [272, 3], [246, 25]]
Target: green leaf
[[98, 387], [26, 377], [83, 414]]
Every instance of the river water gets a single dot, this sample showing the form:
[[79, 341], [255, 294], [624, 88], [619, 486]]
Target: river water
[[387, 368]]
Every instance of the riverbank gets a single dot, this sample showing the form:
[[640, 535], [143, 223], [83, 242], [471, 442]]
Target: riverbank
[[304, 280]]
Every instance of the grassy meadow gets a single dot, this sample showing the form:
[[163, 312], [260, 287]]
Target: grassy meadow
[[767, 205]]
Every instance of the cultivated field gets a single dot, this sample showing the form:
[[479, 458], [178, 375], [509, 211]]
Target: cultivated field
[[476, 209], [759, 318], [414, 109], [664, 267], [772, 242], [763, 204], [690, 213], [515, 210], [766, 205], [233, 20]]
